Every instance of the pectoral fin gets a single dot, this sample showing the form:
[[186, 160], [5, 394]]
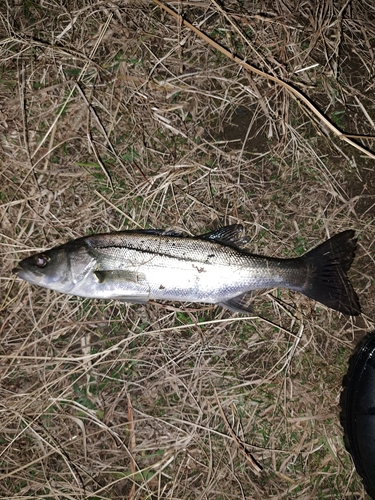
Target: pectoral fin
[[117, 276]]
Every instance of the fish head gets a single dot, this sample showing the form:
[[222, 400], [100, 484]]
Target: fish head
[[50, 269]]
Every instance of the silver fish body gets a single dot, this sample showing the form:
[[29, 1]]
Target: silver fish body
[[136, 266]]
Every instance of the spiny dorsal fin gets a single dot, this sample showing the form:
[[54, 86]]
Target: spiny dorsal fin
[[232, 235]]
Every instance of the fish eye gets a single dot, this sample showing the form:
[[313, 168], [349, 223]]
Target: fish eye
[[41, 260]]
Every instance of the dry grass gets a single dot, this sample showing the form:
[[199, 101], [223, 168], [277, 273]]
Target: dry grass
[[116, 115]]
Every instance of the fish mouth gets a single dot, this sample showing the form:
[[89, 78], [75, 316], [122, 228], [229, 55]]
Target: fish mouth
[[19, 269], [21, 273]]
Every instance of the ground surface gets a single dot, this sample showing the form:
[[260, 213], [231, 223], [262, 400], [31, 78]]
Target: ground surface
[[115, 115]]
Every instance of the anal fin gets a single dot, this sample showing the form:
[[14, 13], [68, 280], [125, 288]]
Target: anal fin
[[239, 304], [133, 299]]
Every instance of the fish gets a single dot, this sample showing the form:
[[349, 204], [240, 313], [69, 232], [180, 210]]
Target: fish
[[140, 265]]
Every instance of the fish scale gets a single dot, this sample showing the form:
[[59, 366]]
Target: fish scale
[[206, 269]]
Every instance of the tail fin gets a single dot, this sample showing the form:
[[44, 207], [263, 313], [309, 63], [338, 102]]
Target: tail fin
[[327, 266]]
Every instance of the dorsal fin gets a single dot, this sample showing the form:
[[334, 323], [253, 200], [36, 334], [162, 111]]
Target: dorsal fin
[[157, 232], [232, 235]]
